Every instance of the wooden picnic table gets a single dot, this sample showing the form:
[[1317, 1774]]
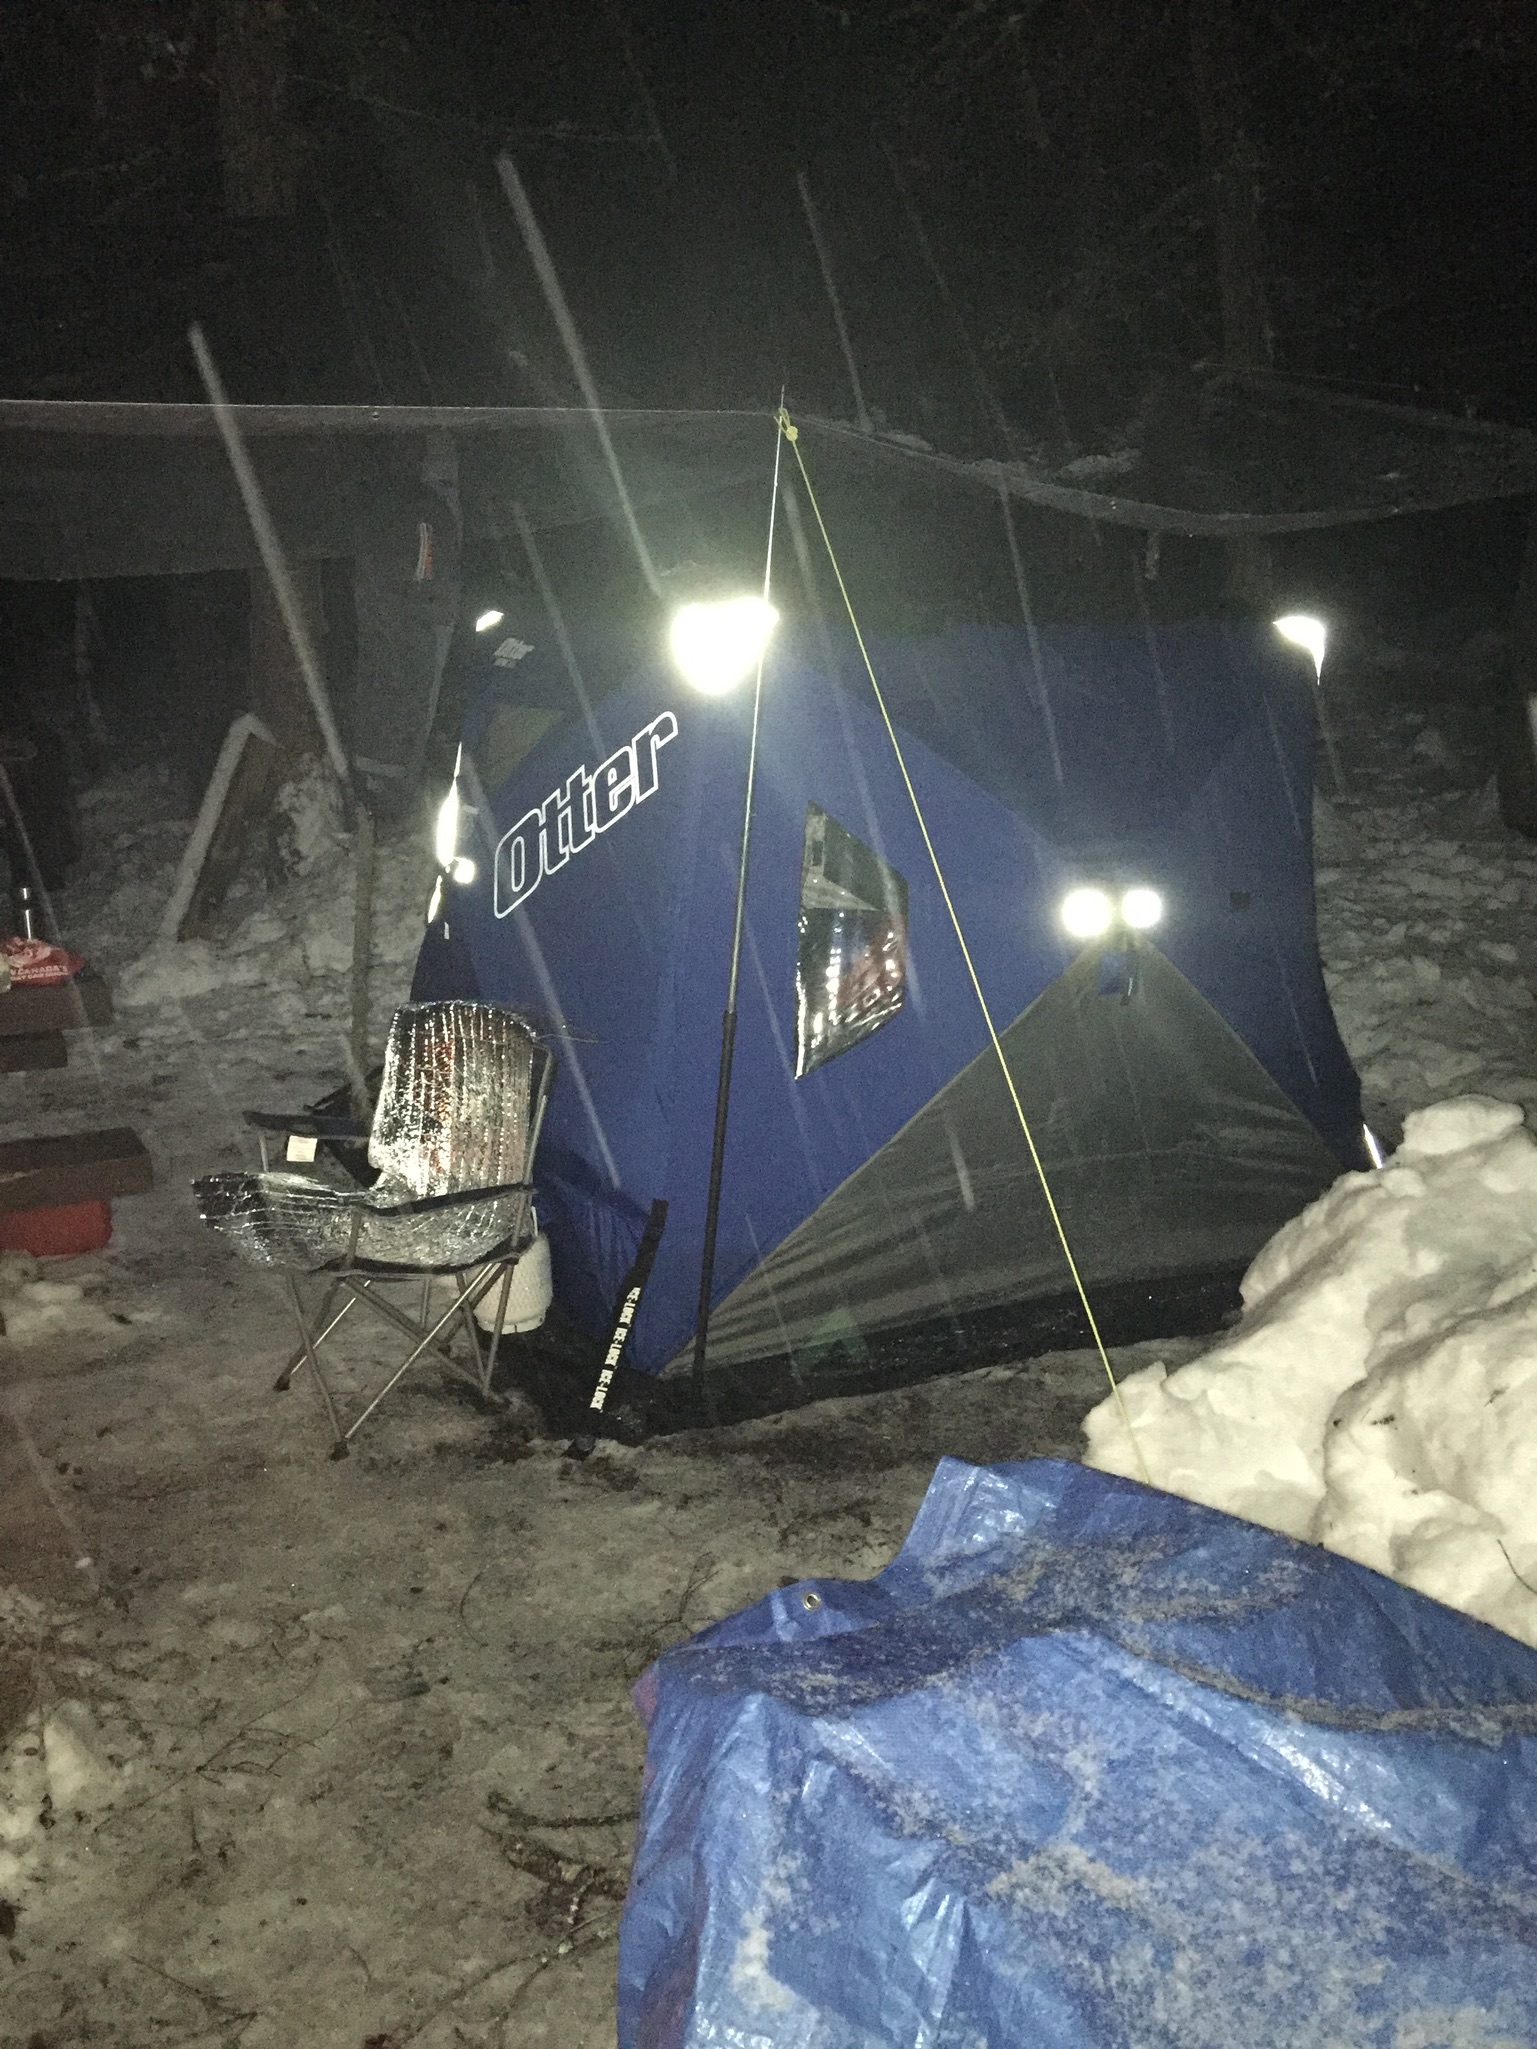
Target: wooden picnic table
[[34, 1016]]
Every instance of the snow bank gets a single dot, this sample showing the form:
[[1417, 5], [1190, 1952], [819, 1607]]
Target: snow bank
[[53, 1774], [289, 941], [1426, 930], [1380, 1395], [34, 1308]]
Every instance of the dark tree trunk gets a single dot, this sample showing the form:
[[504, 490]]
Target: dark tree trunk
[[260, 158], [1248, 338], [277, 690], [1518, 709]]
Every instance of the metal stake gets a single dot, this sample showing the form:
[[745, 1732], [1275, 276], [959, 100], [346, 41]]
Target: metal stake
[[728, 1018]]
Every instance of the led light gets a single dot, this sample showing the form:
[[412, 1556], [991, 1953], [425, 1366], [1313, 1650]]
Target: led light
[[1304, 631], [1087, 913], [445, 837], [489, 619], [1378, 1157], [718, 645], [1141, 909]]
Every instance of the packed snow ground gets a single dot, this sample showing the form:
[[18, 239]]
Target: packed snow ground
[[302, 1753]]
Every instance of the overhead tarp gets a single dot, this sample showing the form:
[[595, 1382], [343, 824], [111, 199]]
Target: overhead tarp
[[96, 489], [93, 488], [1245, 454], [1087, 1765]]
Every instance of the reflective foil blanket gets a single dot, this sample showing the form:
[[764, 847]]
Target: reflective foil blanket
[[1087, 1766]]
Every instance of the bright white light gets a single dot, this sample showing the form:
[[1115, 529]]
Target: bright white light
[[1303, 630], [1142, 909], [445, 837], [489, 619], [1378, 1157], [718, 645], [1087, 913]]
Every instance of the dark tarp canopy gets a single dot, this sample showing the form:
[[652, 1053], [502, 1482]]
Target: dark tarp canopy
[[1248, 454], [93, 488]]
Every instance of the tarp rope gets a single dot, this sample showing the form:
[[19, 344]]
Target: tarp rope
[[792, 434]]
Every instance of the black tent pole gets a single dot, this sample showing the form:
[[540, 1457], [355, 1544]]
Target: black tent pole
[[728, 1018]]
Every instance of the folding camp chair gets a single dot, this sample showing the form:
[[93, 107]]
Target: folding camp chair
[[454, 1132]]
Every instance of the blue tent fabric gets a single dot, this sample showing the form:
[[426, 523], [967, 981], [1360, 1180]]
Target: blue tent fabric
[[1087, 1765], [1182, 759]]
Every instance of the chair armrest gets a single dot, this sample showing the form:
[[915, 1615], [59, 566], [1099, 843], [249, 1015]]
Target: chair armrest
[[302, 1125], [423, 1205]]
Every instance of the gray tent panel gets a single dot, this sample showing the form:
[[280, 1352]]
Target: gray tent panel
[[1168, 1146]]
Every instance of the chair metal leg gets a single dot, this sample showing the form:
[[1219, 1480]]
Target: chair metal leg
[[426, 1344], [467, 1318], [338, 1435], [281, 1384], [365, 1290], [501, 1317]]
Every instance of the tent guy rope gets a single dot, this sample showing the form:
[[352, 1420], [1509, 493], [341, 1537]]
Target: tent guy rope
[[791, 434]]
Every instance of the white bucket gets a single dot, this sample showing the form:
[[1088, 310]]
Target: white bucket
[[528, 1298]]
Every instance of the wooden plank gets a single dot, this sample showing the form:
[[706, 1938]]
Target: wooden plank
[[246, 812], [31, 1052], [83, 1166], [27, 1008], [238, 795]]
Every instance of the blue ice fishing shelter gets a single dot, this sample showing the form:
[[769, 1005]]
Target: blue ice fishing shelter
[[1087, 1765], [1187, 1086]]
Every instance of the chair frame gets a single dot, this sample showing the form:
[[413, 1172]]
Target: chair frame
[[358, 1280]]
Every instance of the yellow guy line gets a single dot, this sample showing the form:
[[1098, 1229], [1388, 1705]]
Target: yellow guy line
[[792, 434]]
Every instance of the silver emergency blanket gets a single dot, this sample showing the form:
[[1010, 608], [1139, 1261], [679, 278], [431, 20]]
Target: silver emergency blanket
[[453, 1116], [455, 1099], [301, 1221]]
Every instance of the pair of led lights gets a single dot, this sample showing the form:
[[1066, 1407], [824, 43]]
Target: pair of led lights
[[1090, 913], [716, 646]]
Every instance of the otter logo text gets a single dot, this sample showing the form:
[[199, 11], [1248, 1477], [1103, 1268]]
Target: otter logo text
[[571, 817]]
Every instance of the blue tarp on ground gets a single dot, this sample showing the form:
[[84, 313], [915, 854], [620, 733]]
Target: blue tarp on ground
[[1088, 1765]]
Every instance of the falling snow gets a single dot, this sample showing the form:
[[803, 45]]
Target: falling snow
[[254, 1706]]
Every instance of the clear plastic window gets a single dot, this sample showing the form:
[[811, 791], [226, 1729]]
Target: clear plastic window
[[851, 968]]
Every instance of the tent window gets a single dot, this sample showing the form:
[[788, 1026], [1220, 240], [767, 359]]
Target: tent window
[[851, 968]]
